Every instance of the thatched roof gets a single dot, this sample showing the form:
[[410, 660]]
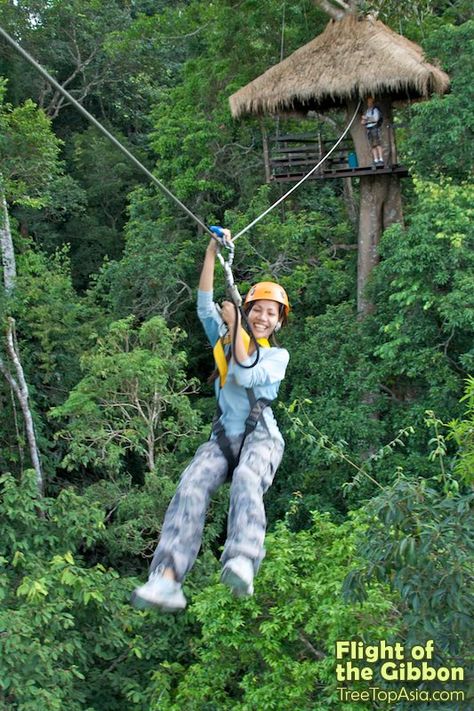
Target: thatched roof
[[353, 58]]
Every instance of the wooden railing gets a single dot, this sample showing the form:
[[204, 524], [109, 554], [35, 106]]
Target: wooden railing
[[290, 156], [300, 152]]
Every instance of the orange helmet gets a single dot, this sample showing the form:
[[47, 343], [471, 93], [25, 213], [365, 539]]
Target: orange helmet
[[268, 290]]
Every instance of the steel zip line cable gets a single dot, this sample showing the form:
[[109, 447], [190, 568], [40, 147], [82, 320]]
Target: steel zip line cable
[[140, 165], [232, 289], [101, 128], [305, 177], [229, 277]]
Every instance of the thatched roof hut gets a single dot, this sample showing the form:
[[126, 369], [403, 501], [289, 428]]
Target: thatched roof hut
[[352, 58]]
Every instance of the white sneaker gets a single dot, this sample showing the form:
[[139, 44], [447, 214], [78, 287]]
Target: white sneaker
[[237, 574], [159, 592]]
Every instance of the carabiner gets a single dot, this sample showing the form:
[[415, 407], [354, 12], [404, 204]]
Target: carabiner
[[222, 242]]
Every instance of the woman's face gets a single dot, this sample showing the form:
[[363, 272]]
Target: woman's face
[[263, 317]]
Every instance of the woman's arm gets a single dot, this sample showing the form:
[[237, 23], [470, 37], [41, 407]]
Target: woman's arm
[[206, 308], [206, 281], [231, 316]]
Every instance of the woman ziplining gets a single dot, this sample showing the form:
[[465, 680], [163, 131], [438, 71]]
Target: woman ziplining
[[245, 445]]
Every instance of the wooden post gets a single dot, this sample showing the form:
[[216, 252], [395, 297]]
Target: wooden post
[[266, 153]]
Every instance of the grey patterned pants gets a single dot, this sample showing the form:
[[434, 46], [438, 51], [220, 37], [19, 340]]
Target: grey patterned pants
[[181, 534]]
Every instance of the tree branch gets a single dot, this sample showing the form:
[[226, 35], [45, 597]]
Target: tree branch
[[329, 9], [315, 652], [344, 247], [6, 245], [344, 5], [17, 430], [9, 378], [21, 390], [58, 101]]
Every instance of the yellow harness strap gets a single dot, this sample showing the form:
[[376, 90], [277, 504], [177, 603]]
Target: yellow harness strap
[[219, 353]]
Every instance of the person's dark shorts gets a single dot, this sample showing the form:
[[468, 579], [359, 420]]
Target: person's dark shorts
[[373, 134]]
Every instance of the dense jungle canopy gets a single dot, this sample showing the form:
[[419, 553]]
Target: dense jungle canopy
[[370, 517]]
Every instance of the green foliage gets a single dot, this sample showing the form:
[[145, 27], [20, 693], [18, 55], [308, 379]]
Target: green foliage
[[134, 513], [133, 397], [353, 405], [308, 434], [53, 322], [28, 153], [462, 433], [424, 285], [83, 44], [75, 41], [440, 137], [86, 209], [207, 159], [419, 540], [153, 274], [276, 650], [415, 19], [68, 637], [331, 376], [52, 326]]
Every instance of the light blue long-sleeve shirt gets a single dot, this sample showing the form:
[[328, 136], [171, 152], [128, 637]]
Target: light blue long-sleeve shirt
[[264, 378]]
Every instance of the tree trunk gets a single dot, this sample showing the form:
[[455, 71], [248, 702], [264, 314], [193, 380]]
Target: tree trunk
[[20, 388], [380, 200], [150, 455], [17, 384], [6, 246], [380, 207], [349, 201]]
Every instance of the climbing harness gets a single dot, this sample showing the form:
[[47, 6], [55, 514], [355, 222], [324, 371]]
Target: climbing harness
[[257, 407], [221, 357]]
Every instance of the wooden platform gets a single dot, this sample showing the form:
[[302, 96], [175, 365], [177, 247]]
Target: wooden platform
[[292, 156], [343, 172]]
